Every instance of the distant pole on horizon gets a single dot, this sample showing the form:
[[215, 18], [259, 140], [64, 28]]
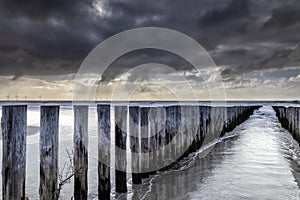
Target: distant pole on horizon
[[17, 97], [40, 97], [7, 97], [25, 98]]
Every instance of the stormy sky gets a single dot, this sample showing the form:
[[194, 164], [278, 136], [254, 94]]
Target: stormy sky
[[255, 44]]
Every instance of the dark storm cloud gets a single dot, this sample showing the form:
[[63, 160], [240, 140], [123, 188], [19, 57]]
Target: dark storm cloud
[[41, 37], [283, 17], [36, 9], [275, 45], [53, 37], [139, 57], [231, 12]]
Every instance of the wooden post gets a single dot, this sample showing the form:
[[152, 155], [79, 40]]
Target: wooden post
[[49, 152], [161, 142], [201, 127], [121, 136], [197, 139], [286, 123], [207, 125], [80, 152], [184, 132], [170, 116], [194, 129], [209, 118], [224, 120], [144, 142], [297, 121], [14, 122], [289, 119], [177, 135], [134, 128], [204, 127], [104, 128], [156, 123], [219, 120], [213, 126]]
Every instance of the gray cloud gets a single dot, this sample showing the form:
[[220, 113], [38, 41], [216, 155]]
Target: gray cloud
[[39, 38]]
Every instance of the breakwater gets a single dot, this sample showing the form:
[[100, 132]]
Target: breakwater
[[158, 138], [289, 119]]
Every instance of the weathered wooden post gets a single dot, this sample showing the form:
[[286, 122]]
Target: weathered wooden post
[[289, 119], [219, 121], [204, 121], [184, 132], [14, 122], [175, 140], [201, 127], [144, 141], [121, 136], [168, 130], [230, 114], [234, 117], [286, 114], [297, 121], [224, 120], [49, 152], [195, 131], [171, 131], [152, 141], [161, 142], [199, 131], [289, 116], [80, 152], [178, 136], [156, 126], [290, 110], [292, 119], [209, 118], [153, 155], [104, 128], [134, 127]]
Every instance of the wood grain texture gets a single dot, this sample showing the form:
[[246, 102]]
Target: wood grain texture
[[14, 121], [49, 126]]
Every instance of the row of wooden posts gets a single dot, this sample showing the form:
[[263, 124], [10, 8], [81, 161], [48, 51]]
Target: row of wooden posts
[[290, 119], [172, 132]]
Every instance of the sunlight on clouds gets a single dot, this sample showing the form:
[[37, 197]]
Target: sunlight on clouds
[[266, 85], [250, 86], [99, 7], [32, 88]]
